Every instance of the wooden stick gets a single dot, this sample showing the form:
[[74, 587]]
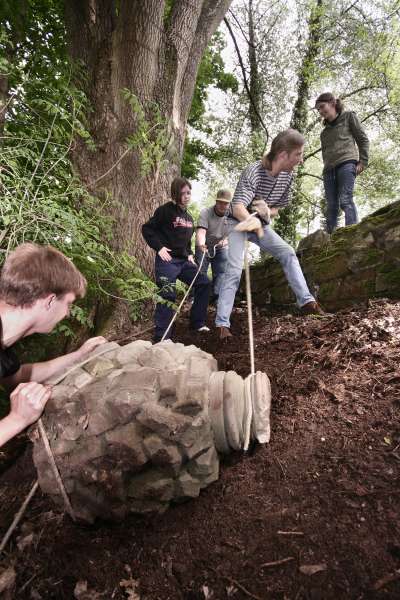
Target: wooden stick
[[387, 579], [19, 516], [276, 563], [290, 533], [56, 472]]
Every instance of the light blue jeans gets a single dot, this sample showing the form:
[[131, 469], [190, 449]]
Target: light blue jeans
[[218, 265], [272, 243]]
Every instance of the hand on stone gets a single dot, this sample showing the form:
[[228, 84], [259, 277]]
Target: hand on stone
[[27, 402], [90, 345]]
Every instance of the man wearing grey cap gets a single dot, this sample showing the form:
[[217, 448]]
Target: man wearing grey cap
[[211, 238]]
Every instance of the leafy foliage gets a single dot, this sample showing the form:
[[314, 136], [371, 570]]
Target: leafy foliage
[[151, 134], [357, 58], [211, 73], [42, 198]]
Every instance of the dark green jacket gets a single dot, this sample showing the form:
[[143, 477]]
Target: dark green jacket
[[341, 139]]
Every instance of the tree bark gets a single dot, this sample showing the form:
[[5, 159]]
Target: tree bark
[[136, 44], [255, 86]]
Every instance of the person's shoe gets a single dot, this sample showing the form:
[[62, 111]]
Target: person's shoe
[[224, 333], [203, 329], [312, 308]]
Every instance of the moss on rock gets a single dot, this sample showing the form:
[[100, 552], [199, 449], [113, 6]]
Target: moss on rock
[[357, 262]]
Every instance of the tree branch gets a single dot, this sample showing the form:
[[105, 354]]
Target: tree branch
[[246, 85], [241, 28]]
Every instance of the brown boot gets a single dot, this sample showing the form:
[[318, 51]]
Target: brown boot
[[312, 308], [224, 333]]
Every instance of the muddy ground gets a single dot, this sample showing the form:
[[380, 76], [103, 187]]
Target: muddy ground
[[315, 514]]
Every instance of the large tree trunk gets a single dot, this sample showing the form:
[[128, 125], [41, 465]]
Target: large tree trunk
[[153, 48]]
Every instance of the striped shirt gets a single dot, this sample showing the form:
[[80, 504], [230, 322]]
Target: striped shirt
[[256, 182]]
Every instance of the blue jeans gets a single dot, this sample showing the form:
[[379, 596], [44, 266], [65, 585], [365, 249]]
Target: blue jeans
[[339, 186], [218, 266], [272, 243], [166, 275]]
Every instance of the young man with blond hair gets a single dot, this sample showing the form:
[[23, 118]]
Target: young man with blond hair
[[264, 188], [38, 285]]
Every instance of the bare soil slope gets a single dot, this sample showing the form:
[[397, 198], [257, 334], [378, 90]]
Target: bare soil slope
[[323, 497]]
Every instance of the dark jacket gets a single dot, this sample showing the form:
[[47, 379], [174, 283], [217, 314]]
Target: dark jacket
[[339, 139], [170, 226]]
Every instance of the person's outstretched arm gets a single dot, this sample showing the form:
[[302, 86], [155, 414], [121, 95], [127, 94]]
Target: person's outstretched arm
[[41, 372]]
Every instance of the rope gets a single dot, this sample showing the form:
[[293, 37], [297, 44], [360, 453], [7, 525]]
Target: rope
[[249, 306], [250, 319], [184, 297]]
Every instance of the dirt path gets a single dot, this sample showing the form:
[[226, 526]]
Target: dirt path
[[324, 493]]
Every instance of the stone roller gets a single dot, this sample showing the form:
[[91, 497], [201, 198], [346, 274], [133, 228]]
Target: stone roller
[[239, 410]]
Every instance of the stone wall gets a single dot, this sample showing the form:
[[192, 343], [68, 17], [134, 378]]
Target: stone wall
[[353, 264]]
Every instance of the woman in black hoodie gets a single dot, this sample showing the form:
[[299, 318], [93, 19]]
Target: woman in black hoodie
[[169, 233]]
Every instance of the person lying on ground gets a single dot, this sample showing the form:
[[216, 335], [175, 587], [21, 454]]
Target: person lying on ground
[[264, 187], [345, 147], [38, 285], [169, 232], [211, 237]]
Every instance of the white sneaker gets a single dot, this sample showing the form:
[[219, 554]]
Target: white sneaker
[[203, 329]]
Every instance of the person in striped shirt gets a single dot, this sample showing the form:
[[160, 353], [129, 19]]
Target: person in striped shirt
[[264, 187]]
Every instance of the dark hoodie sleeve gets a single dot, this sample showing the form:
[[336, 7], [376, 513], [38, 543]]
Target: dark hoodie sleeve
[[150, 230], [360, 137]]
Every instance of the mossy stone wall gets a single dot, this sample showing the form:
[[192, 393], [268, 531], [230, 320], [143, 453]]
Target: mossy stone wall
[[351, 265]]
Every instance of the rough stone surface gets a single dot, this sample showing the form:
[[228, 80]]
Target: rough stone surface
[[125, 429], [350, 266]]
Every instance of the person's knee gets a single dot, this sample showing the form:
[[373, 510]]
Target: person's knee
[[287, 254], [345, 200]]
